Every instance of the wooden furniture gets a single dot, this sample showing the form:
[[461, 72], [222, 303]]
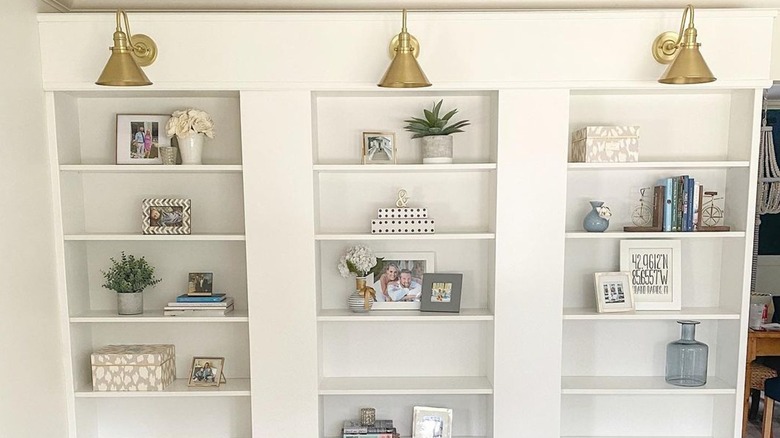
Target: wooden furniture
[[528, 355], [771, 394], [759, 374], [759, 343]]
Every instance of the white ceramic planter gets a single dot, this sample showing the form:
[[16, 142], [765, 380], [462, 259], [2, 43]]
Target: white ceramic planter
[[191, 148], [437, 149]]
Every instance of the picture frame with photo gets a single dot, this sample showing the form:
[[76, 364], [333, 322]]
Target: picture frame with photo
[[207, 371], [398, 285], [614, 292], [200, 283], [441, 293], [655, 268], [428, 422], [138, 137], [379, 148], [166, 216]]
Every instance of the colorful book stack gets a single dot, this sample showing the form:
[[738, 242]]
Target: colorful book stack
[[212, 305], [380, 429]]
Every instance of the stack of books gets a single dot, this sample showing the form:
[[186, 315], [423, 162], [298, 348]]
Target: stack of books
[[380, 429], [211, 305]]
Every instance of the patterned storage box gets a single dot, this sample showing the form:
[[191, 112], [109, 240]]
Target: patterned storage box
[[133, 367], [605, 144]]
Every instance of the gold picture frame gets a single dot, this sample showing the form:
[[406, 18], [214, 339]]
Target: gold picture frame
[[207, 371]]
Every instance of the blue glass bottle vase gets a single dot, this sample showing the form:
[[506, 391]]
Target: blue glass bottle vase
[[686, 358], [593, 221]]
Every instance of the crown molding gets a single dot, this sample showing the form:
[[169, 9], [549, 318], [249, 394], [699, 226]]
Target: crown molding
[[59, 5]]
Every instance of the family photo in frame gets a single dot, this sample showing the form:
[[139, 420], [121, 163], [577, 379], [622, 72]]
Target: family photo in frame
[[441, 293], [166, 216], [399, 282], [138, 137], [207, 371], [200, 283]]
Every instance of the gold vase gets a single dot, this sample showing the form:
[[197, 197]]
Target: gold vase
[[363, 298]]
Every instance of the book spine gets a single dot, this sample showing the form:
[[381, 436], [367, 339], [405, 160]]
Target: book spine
[[211, 299], [369, 435], [658, 206], [684, 195], [698, 197], [691, 204], [668, 193]]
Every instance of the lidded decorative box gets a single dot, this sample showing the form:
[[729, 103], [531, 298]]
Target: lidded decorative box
[[605, 144], [149, 367]]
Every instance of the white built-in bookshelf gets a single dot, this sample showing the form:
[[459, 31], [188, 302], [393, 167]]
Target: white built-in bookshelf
[[283, 194]]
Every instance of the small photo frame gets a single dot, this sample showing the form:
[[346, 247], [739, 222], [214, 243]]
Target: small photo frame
[[431, 422], [398, 285], [655, 269], [138, 136], [207, 371], [166, 216], [379, 148], [441, 293], [200, 283], [614, 292]]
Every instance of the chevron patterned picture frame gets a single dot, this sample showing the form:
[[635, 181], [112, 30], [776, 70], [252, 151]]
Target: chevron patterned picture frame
[[166, 216]]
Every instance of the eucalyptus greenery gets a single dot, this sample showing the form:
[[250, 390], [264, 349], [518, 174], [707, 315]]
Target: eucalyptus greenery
[[433, 124], [129, 274]]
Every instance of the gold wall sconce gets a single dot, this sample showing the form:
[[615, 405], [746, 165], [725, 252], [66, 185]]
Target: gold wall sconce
[[404, 71], [129, 54], [681, 52]]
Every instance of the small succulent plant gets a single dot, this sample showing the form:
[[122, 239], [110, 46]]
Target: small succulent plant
[[432, 124]]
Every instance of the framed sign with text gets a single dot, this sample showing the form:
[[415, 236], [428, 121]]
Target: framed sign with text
[[655, 269]]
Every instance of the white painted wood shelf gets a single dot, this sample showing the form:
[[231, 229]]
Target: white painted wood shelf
[[639, 385], [655, 235], [359, 168], [341, 315], [405, 386], [179, 388], [438, 236], [660, 165], [153, 237], [155, 316], [589, 314], [152, 168], [643, 436]]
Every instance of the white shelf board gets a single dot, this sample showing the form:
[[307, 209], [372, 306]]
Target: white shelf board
[[439, 236], [405, 167], [343, 315], [580, 314], [404, 385], [660, 165], [641, 385], [110, 316], [144, 237], [654, 235], [159, 168], [643, 436], [179, 388]]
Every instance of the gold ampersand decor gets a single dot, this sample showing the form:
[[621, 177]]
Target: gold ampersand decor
[[402, 199]]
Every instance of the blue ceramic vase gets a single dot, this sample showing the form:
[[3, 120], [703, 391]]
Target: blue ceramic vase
[[593, 222]]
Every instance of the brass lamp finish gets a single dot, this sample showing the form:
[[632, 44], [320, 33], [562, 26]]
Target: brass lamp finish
[[128, 55], [404, 71], [681, 51]]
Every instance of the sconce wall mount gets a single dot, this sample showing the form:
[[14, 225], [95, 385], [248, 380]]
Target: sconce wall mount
[[404, 71]]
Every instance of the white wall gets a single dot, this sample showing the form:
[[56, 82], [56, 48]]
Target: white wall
[[32, 398]]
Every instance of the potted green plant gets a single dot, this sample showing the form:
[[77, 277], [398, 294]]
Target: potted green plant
[[128, 277], [435, 134]]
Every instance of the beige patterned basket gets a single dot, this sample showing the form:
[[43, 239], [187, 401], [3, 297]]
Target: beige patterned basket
[[758, 374]]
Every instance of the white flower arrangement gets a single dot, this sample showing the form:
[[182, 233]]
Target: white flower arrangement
[[190, 121], [358, 260], [604, 212]]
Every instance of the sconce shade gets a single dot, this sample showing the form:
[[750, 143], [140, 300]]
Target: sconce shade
[[404, 71], [121, 69], [128, 55], [688, 67]]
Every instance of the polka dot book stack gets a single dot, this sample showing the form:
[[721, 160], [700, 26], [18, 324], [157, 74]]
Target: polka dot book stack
[[402, 221]]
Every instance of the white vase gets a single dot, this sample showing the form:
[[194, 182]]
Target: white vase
[[437, 149], [191, 148]]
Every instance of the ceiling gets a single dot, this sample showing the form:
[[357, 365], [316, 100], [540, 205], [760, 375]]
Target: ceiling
[[321, 5]]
